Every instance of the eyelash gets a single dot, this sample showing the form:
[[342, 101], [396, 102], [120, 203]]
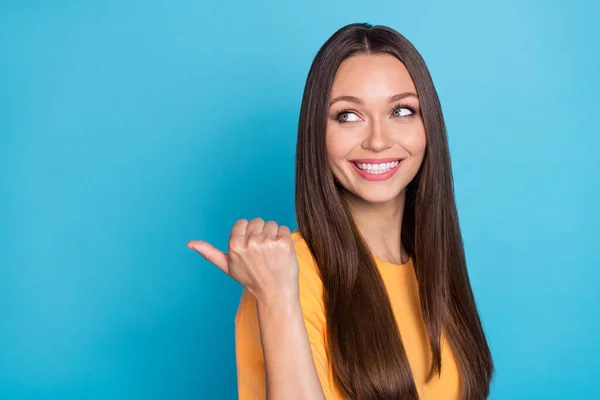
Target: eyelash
[[412, 110]]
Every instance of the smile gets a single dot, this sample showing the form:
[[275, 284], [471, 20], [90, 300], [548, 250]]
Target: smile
[[376, 170]]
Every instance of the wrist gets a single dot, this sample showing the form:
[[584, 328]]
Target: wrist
[[281, 303]]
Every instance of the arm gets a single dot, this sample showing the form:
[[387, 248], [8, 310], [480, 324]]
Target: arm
[[262, 257], [249, 335], [289, 366]]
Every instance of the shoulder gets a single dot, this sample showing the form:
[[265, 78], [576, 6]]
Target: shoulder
[[308, 270], [301, 247]]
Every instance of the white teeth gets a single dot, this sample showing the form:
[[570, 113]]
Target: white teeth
[[377, 168]]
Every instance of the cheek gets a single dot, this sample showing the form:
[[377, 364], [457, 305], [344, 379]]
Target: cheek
[[332, 146], [337, 145], [415, 141]]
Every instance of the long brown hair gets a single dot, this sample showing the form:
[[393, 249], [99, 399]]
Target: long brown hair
[[369, 361]]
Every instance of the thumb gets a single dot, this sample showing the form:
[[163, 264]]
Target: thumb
[[211, 253]]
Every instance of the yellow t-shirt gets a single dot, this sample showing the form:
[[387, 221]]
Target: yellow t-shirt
[[401, 284]]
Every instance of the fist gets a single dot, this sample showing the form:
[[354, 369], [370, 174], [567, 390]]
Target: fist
[[261, 257]]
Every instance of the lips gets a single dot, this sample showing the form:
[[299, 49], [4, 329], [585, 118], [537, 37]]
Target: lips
[[375, 160], [369, 176]]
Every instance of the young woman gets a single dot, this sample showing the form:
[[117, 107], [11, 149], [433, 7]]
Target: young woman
[[370, 297]]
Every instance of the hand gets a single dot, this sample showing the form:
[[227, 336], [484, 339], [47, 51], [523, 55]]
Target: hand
[[261, 257]]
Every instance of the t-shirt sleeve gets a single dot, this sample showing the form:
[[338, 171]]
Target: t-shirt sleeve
[[249, 356]]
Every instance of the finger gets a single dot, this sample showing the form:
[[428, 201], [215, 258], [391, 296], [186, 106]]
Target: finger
[[283, 232], [239, 228], [211, 253], [255, 227], [270, 230]]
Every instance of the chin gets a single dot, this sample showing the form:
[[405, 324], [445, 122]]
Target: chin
[[377, 197]]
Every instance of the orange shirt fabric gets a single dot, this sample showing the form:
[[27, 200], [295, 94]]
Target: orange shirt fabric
[[401, 284]]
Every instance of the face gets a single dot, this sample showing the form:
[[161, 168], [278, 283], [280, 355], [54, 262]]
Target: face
[[375, 136]]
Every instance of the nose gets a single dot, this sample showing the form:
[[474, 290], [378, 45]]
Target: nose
[[376, 138]]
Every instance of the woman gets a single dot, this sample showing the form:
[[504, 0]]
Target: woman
[[370, 298]]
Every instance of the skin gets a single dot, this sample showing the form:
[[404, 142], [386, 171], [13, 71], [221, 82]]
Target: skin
[[261, 255], [262, 258], [377, 128]]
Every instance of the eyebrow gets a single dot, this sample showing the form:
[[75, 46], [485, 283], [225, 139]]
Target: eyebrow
[[353, 99]]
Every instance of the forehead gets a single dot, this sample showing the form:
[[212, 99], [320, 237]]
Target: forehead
[[371, 76]]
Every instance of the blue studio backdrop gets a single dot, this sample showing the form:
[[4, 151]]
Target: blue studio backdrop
[[129, 127]]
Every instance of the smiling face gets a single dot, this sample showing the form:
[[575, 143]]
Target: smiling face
[[375, 136]]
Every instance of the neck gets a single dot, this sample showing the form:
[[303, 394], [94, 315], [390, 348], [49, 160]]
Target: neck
[[380, 224]]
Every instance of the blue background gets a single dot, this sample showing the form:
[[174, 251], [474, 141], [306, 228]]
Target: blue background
[[129, 127]]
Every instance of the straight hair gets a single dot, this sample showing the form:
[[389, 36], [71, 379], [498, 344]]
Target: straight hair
[[368, 358]]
